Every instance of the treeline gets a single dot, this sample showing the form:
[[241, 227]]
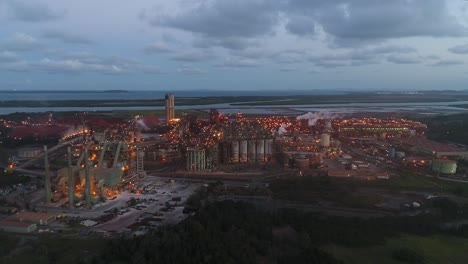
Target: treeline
[[237, 232], [448, 128]]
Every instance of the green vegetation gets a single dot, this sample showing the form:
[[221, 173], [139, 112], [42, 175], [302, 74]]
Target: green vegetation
[[451, 128], [406, 249], [48, 249]]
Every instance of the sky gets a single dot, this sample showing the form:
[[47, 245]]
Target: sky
[[233, 45]]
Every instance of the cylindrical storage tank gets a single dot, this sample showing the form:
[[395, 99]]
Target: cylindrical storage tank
[[325, 140], [269, 148], [252, 151], [260, 150], [399, 154], [328, 125], [243, 151], [235, 151], [391, 152], [444, 166]]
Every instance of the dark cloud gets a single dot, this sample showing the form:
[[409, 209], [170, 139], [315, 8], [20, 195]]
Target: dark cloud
[[32, 11], [368, 20], [301, 25], [460, 49], [67, 37], [225, 23], [442, 63]]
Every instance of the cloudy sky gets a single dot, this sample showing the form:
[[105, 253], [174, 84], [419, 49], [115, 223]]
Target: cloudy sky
[[235, 45]]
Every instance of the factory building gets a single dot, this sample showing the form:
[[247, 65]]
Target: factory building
[[428, 147], [169, 107]]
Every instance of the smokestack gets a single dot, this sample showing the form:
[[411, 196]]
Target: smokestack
[[47, 176], [87, 178], [71, 184]]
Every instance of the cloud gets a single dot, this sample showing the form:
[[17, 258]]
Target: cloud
[[460, 49], [67, 37], [192, 56], [442, 63], [76, 63], [371, 20], [189, 70], [7, 56], [157, 47], [32, 11], [301, 25], [21, 42], [403, 59], [224, 23], [233, 62]]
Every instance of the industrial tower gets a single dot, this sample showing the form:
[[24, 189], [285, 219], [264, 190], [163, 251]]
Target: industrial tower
[[169, 107]]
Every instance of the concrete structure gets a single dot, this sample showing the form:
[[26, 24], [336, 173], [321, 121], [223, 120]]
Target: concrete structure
[[33, 217], [169, 107], [48, 190], [15, 226], [196, 159], [28, 152], [444, 166]]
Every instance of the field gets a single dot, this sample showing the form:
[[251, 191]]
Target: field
[[434, 250]]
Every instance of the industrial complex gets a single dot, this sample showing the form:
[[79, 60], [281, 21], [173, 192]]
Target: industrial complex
[[88, 167]]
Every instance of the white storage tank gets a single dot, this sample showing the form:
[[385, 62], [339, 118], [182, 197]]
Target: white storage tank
[[325, 140]]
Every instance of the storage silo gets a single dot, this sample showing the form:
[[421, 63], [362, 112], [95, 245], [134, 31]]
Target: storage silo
[[260, 150], [325, 140], [234, 151], [269, 148], [243, 151], [251, 150]]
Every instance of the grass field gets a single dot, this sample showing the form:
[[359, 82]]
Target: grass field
[[434, 250]]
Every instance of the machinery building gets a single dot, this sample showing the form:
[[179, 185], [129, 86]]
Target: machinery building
[[444, 166], [196, 159], [169, 107]]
